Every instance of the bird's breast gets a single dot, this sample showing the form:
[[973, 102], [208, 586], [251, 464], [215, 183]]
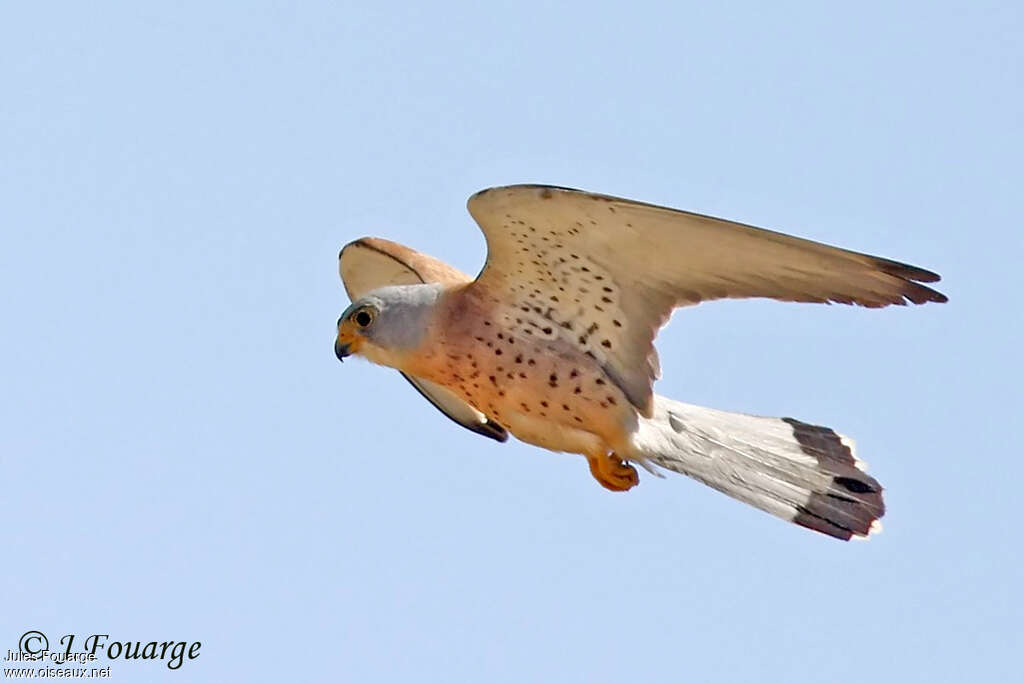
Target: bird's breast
[[533, 385]]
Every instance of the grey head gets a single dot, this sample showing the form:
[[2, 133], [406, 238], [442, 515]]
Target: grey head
[[385, 324]]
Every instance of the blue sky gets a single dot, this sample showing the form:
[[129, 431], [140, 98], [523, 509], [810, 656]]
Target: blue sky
[[183, 457]]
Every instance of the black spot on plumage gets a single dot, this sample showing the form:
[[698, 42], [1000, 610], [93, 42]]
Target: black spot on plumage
[[844, 499], [853, 485]]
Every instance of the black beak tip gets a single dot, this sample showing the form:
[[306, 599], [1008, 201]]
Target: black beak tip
[[341, 351]]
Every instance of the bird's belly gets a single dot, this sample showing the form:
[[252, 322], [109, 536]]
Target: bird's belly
[[552, 436], [541, 393]]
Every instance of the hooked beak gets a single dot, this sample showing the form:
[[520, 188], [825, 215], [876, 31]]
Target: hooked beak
[[348, 340], [341, 349]]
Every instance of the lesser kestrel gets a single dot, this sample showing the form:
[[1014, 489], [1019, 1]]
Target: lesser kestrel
[[553, 341]]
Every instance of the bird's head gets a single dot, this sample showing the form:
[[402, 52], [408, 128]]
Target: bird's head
[[386, 325]]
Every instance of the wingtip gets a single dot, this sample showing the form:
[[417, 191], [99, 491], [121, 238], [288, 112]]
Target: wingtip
[[919, 294], [492, 429], [922, 275], [915, 292]]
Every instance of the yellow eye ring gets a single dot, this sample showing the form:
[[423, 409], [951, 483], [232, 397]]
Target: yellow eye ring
[[364, 317]]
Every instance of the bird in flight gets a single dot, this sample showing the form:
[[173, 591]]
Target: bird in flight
[[553, 341]]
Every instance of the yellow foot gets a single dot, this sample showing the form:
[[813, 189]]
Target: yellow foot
[[613, 473]]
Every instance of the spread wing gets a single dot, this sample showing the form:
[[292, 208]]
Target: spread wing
[[605, 273], [370, 263]]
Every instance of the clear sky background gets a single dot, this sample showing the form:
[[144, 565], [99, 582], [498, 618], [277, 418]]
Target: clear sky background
[[183, 458]]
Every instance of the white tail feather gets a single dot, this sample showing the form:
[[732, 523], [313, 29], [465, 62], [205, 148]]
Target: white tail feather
[[800, 472]]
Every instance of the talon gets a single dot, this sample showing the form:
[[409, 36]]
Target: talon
[[613, 473]]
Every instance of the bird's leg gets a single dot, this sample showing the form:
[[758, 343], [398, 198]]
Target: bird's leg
[[612, 472]]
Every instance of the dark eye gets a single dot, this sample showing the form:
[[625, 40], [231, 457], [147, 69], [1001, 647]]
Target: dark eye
[[363, 318]]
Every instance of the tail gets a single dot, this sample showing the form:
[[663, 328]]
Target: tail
[[800, 472]]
